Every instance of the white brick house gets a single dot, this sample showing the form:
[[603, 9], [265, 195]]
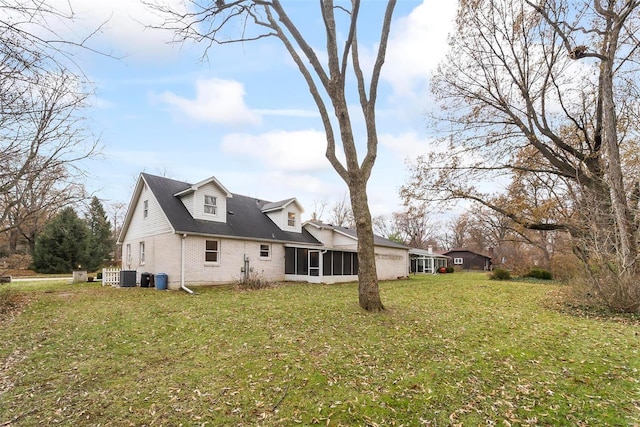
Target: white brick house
[[202, 234]]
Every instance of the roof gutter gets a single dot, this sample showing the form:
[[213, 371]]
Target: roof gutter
[[182, 266], [249, 238]]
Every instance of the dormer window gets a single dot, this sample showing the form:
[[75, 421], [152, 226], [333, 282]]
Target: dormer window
[[291, 219], [210, 205]]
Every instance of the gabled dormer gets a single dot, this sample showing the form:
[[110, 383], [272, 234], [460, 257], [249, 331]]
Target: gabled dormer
[[322, 232], [206, 200], [286, 214]]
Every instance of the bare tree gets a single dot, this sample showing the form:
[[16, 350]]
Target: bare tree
[[116, 212], [42, 94], [341, 214], [414, 226], [556, 79], [456, 233], [520, 247], [318, 209], [31, 203], [384, 226], [205, 21], [41, 139]]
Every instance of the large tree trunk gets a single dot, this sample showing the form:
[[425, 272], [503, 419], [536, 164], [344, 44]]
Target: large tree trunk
[[368, 291], [623, 222], [322, 78]]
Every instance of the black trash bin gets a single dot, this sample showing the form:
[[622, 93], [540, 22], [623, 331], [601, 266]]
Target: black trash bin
[[145, 280], [127, 278]]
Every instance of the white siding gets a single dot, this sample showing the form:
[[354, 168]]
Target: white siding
[[154, 223], [188, 202], [323, 235], [281, 218], [196, 200], [276, 217]]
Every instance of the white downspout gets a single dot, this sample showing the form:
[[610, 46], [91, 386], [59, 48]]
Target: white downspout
[[182, 265]]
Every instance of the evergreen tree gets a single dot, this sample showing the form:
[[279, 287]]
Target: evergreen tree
[[61, 246], [100, 241]]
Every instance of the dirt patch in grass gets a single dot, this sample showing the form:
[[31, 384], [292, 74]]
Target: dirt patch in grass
[[11, 304]]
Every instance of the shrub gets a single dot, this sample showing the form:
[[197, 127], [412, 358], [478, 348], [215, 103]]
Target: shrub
[[500, 274], [566, 266], [539, 273], [450, 269], [607, 289], [253, 281]]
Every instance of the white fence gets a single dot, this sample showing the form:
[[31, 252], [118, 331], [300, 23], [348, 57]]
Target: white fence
[[111, 276]]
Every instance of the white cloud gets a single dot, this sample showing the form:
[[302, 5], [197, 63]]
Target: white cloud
[[417, 44], [216, 101], [289, 113], [281, 150], [302, 185], [116, 27], [408, 144]]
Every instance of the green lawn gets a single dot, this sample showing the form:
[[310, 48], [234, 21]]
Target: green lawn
[[454, 349]]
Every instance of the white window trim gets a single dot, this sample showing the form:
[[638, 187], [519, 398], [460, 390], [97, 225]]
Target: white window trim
[[142, 252], [268, 251], [128, 254], [291, 217], [145, 209], [219, 252], [458, 261], [214, 205]]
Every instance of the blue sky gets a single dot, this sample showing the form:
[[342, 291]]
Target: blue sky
[[245, 115]]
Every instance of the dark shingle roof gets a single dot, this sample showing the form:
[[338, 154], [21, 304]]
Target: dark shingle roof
[[276, 205], [466, 250], [245, 218], [377, 240]]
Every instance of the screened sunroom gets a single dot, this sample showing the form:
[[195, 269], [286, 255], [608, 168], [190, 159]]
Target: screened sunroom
[[426, 261]]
